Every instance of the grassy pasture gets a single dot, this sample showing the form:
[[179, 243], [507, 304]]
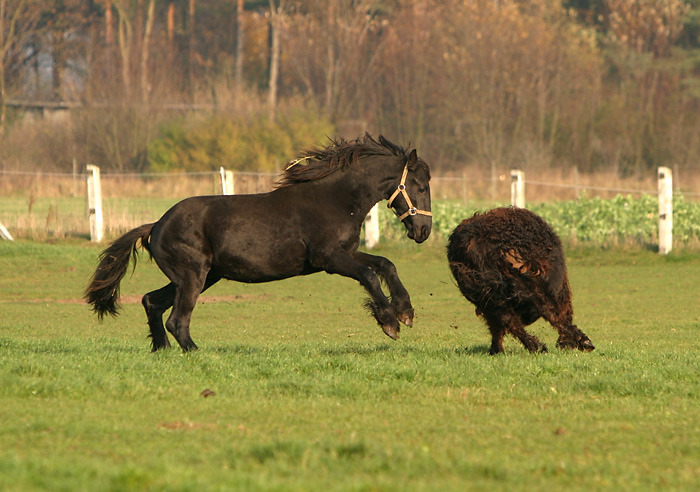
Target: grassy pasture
[[310, 395]]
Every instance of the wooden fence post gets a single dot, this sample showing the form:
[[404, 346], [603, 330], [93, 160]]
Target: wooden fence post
[[517, 188], [226, 182], [94, 194], [372, 227], [665, 179]]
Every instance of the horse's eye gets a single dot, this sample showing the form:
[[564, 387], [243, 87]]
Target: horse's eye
[[421, 189]]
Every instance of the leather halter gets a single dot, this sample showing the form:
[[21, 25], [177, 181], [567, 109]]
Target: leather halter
[[401, 189]]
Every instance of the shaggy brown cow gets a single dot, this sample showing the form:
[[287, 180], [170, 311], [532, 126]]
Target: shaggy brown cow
[[509, 263]]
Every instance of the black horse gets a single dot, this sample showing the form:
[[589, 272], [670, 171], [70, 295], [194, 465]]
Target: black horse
[[310, 223]]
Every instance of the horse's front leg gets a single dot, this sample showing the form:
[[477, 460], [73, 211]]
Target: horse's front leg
[[387, 271], [382, 310]]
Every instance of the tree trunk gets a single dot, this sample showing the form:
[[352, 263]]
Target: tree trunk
[[3, 50], [170, 23], [138, 26], [330, 63], [191, 48], [145, 50], [240, 52], [274, 59], [9, 36], [109, 35], [125, 37], [109, 27]]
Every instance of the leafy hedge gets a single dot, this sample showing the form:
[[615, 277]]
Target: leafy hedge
[[623, 220]]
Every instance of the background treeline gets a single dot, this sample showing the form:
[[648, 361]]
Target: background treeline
[[196, 84]]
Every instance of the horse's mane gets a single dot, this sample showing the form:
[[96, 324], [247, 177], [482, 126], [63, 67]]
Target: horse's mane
[[314, 164]]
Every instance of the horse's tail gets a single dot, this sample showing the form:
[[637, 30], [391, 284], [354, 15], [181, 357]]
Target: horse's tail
[[103, 291]]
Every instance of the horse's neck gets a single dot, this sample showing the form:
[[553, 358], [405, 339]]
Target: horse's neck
[[372, 184]]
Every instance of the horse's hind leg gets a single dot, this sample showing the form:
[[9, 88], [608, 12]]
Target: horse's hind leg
[[178, 323], [156, 303], [186, 294]]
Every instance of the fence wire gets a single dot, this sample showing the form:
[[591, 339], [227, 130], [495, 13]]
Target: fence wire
[[53, 204], [466, 187]]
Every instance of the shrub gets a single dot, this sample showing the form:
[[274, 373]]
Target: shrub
[[246, 144], [623, 220]]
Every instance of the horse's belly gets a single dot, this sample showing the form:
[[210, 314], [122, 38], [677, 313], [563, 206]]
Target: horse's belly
[[255, 276], [261, 265]]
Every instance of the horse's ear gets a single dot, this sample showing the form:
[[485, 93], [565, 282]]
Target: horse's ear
[[412, 160]]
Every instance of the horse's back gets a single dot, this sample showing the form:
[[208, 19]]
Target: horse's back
[[250, 238]]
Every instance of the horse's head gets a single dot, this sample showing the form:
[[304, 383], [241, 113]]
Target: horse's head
[[411, 199]]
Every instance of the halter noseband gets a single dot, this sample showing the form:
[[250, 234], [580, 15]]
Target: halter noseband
[[401, 189]]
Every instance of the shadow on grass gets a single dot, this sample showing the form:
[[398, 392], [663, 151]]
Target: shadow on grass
[[236, 349], [360, 350], [365, 351], [475, 350], [356, 350]]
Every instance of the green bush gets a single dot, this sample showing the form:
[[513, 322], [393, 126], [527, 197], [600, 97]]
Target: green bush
[[620, 220], [246, 144], [623, 220]]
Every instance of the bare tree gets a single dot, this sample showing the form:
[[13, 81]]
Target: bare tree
[[145, 50], [334, 45], [277, 15], [191, 47], [170, 28], [17, 21], [240, 51]]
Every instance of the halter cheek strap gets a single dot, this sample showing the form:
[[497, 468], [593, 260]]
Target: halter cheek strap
[[401, 189]]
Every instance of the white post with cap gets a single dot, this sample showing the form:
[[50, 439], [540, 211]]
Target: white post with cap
[[665, 180], [94, 195], [226, 182], [517, 188], [372, 227]]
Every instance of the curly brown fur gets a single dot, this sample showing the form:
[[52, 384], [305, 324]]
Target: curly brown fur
[[510, 264]]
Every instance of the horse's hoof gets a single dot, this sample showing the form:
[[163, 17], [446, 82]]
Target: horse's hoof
[[391, 331], [405, 318]]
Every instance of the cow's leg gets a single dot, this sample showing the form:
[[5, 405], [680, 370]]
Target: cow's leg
[[498, 329], [502, 322], [559, 313], [574, 338]]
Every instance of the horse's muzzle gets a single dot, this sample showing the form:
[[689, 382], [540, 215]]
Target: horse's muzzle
[[419, 233]]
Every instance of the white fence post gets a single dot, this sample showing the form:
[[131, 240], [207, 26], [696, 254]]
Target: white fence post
[[5, 234], [665, 177], [517, 188], [226, 182], [94, 193], [372, 227]]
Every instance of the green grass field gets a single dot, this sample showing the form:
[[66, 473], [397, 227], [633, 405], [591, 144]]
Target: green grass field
[[310, 395]]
